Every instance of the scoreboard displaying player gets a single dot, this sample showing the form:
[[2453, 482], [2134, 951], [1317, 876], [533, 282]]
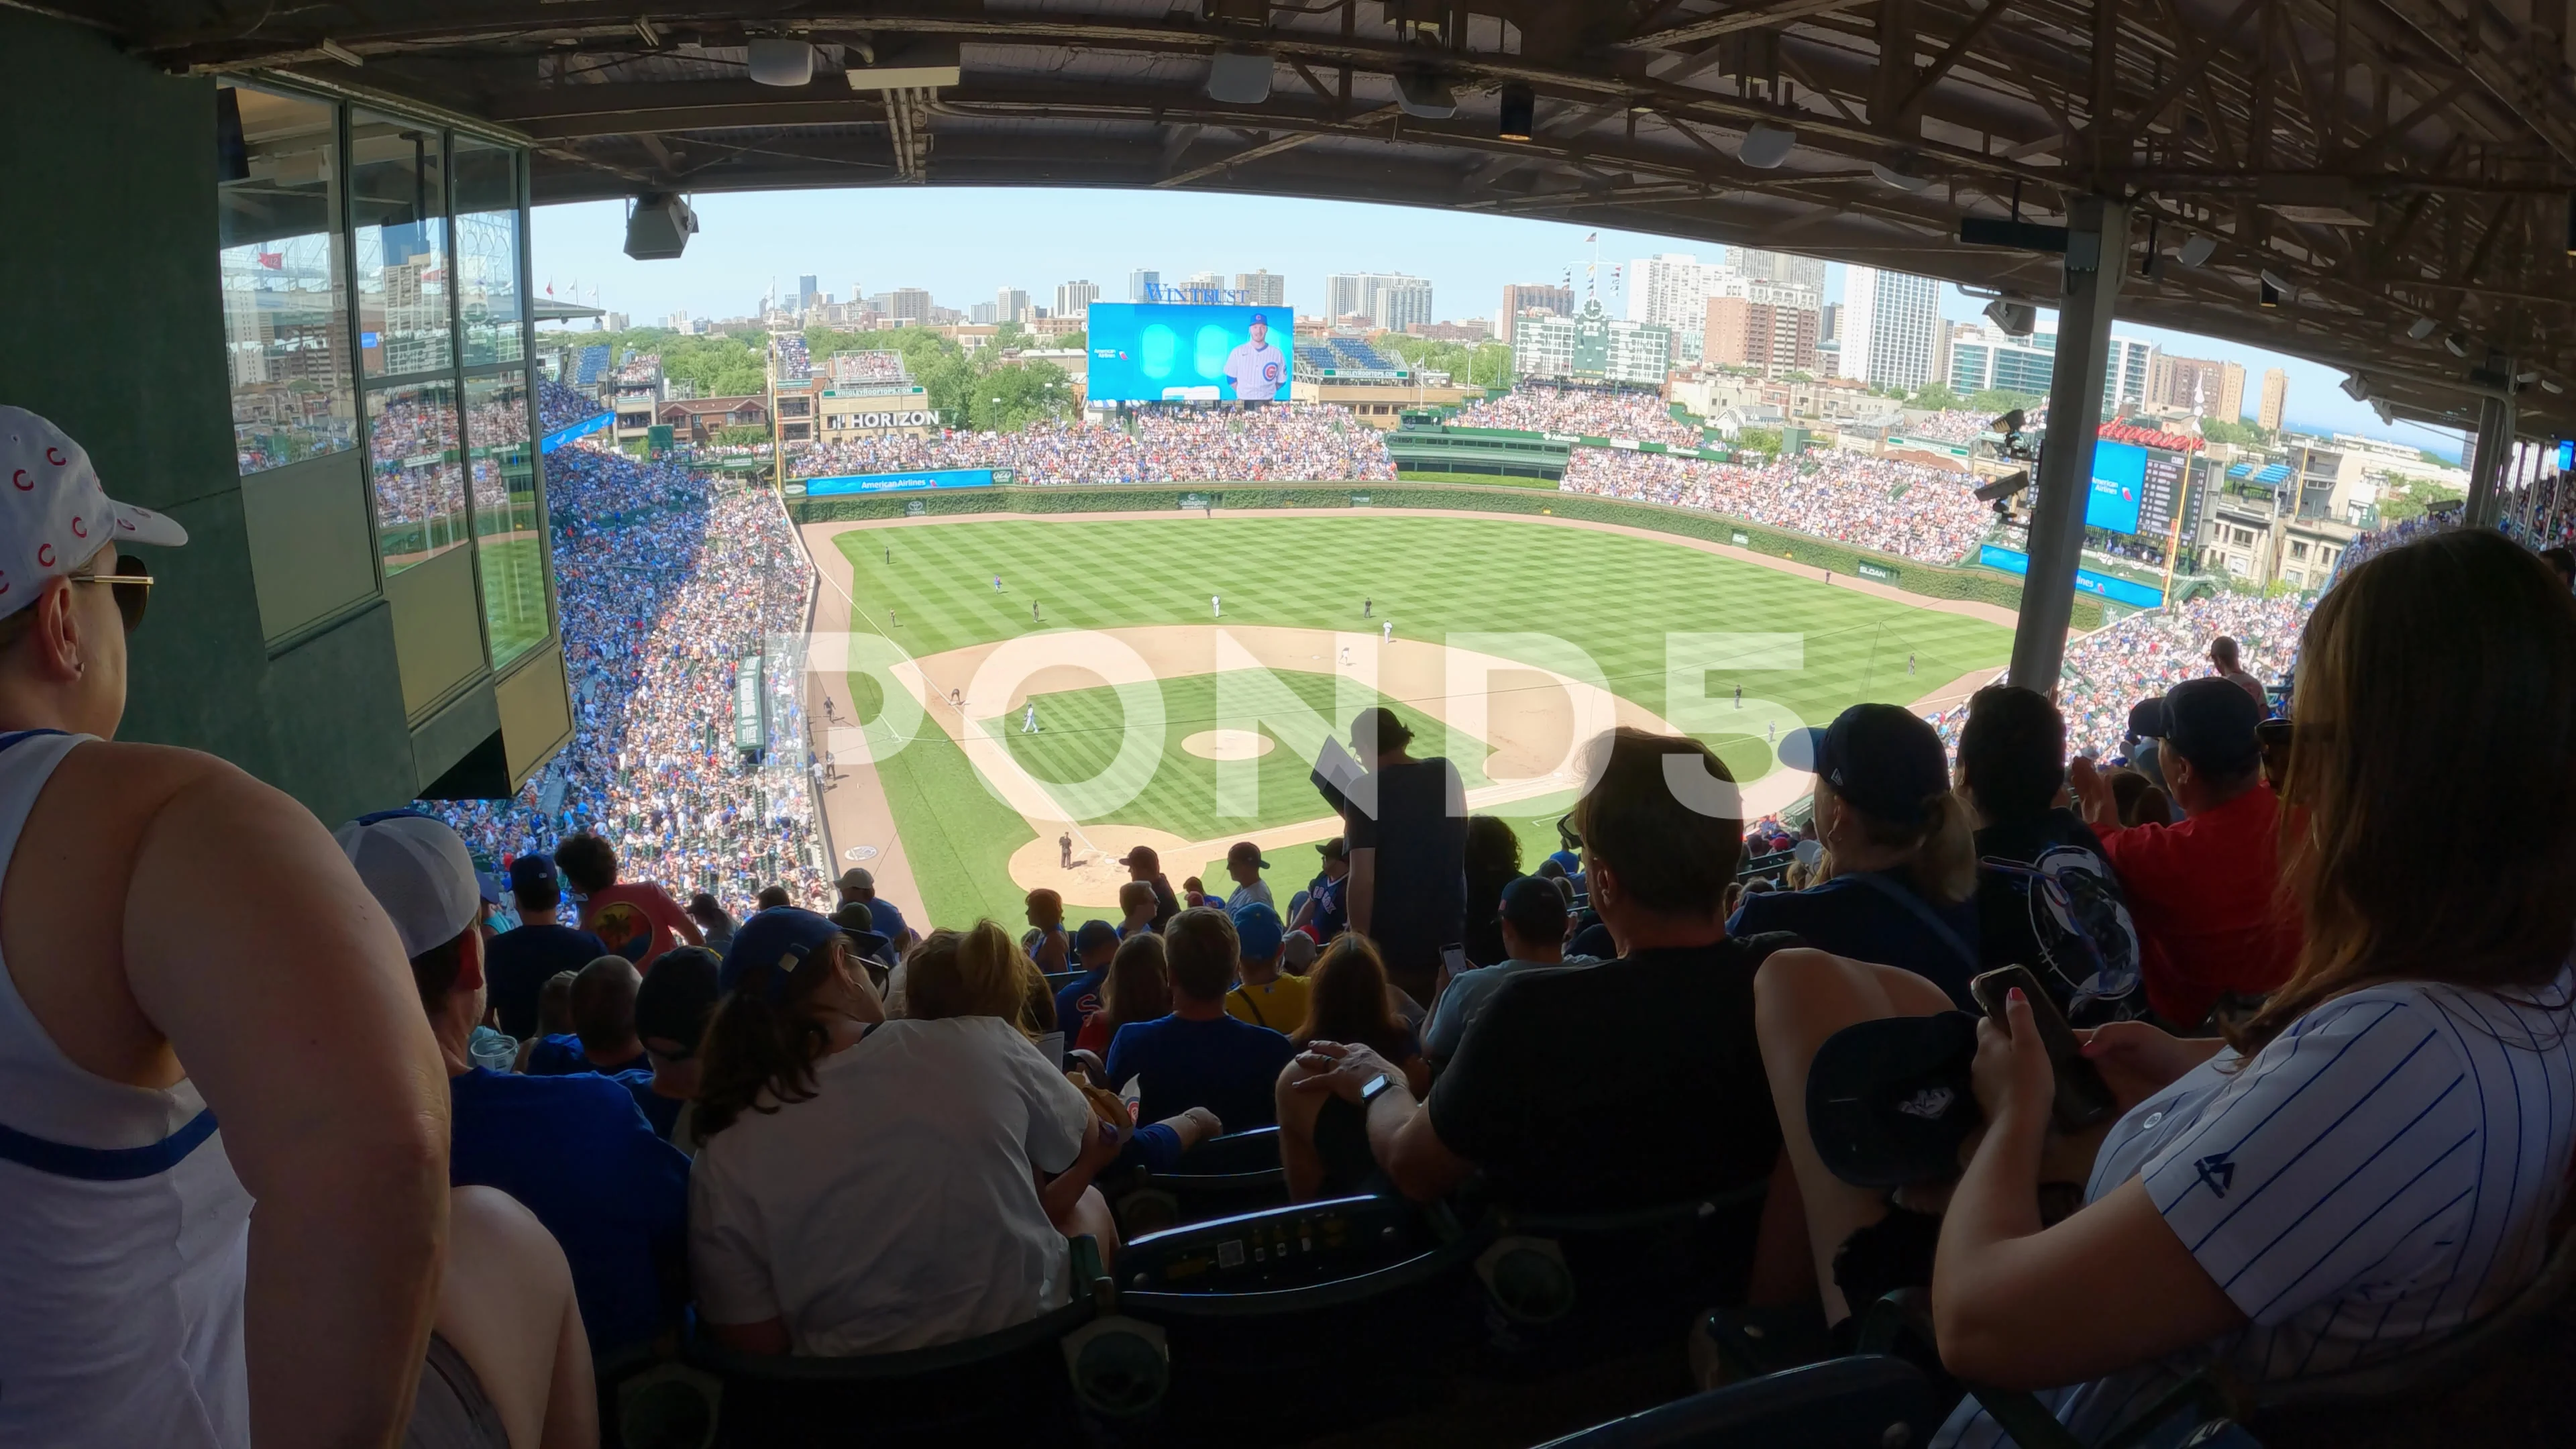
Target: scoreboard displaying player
[[1188, 352], [2135, 489]]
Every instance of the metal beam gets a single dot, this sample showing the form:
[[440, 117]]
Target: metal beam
[[2097, 245], [1743, 17]]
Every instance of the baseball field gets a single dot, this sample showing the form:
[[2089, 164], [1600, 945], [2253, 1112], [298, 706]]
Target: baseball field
[[1169, 679]]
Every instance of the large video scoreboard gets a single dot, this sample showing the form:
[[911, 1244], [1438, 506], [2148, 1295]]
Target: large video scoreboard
[[2135, 489]]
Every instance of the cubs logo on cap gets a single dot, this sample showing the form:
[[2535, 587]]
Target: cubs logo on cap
[[54, 515]]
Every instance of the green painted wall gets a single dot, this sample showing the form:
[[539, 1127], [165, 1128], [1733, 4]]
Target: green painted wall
[[114, 330]]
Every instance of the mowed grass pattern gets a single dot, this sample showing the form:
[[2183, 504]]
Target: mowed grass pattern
[[1614, 597]]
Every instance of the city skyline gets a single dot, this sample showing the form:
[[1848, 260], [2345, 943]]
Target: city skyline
[[964, 245]]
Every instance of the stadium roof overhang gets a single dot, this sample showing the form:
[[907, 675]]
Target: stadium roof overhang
[[2388, 160]]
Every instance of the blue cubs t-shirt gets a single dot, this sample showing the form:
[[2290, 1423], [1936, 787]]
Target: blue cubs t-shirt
[[1076, 1000], [1229, 1067], [663, 1112], [1882, 922], [575, 1151]]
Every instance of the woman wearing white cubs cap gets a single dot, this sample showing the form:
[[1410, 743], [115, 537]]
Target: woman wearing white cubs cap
[[184, 944]]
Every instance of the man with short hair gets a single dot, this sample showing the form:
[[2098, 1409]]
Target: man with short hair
[[639, 921], [602, 1038], [1408, 852], [1093, 946], [523, 959], [2205, 892], [1199, 1056], [572, 1149], [672, 1009], [1534, 917], [2046, 897], [1264, 995], [858, 887], [185, 944], [1629, 1083], [1143, 864], [1243, 866], [2223, 658]]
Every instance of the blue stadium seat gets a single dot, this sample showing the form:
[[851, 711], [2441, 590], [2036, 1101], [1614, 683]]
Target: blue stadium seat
[[1870, 1402], [1588, 1286], [1223, 1177]]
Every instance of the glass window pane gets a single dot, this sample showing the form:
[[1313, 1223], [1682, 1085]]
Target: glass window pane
[[397, 198], [286, 320], [509, 530], [419, 478], [490, 302]]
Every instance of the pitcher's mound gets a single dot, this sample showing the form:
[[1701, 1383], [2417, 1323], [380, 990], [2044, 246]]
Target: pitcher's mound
[[1229, 744]]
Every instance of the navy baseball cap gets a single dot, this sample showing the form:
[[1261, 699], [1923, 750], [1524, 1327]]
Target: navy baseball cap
[[533, 868], [1889, 1101], [1094, 935], [781, 938], [677, 998], [1534, 907], [2208, 721], [1880, 757], [1257, 931]]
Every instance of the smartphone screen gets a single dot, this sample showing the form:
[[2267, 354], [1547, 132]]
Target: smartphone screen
[[1454, 957]]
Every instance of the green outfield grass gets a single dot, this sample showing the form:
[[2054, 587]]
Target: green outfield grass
[[1614, 597]]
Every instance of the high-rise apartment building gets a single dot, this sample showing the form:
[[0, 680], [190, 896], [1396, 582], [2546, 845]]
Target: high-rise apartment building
[[1391, 300], [2276, 399], [1264, 288], [1775, 335], [1344, 295], [2190, 384], [809, 293], [1832, 330], [1891, 328], [2231, 392], [908, 305], [1761, 266], [982, 314], [1671, 290], [1074, 299], [1011, 304], [1142, 285], [1519, 297]]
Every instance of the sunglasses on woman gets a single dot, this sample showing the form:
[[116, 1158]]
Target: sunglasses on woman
[[131, 585]]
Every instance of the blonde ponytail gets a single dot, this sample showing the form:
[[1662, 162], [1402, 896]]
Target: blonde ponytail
[[1944, 869]]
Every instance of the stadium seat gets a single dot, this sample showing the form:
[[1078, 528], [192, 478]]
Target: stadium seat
[[1038, 1380], [1222, 1177], [1587, 1285], [1869, 1402], [1352, 1300]]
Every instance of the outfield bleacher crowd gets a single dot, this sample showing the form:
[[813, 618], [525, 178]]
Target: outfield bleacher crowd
[[1875, 503], [1389, 1139], [1536, 407], [1272, 444], [560, 406], [665, 582]]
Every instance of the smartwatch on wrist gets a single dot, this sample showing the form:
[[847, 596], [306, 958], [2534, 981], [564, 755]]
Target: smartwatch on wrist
[[1370, 1092]]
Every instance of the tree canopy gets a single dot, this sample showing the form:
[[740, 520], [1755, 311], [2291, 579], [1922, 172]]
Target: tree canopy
[[2241, 433], [1480, 364]]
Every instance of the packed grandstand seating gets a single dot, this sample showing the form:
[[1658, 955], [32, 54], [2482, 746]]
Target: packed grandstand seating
[[1951, 426], [1272, 444], [1900, 508], [664, 582], [1584, 413], [560, 406]]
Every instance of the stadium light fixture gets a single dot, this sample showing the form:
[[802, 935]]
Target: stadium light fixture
[[2357, 387], [2552, 386], [1765, 146], [1424, 96], [339, 52], [2387, 413], [2526, 379], [1898, 180], [2421, 328], [2271, 290], [2016, 319], [2197, 249], [778, 60], [2455, 344], [659, 228], [1519, 113], [1239, 78]]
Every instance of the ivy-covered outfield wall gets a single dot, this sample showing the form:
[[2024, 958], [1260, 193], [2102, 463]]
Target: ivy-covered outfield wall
[[1986, 586]]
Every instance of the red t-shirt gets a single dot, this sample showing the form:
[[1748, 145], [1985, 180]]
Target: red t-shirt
[[2206, 896], [638, 921]]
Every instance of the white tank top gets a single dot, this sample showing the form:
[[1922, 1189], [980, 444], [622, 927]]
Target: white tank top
[[123, 1231]]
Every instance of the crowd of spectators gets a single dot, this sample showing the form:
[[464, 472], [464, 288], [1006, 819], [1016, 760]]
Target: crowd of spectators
[[666, 580], [560, 405], [2320, 1121], [1951, 425], [1900, 508], [1280, 443], [1536, 407]]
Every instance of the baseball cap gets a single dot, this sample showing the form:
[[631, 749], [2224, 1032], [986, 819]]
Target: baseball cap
[[488, 887], [419, 871], [1880, 757], [1889, 1101], [1535, 908], [677, 997], [2208, 721], [536, 868], [1257, 930], [1257, 317], [1377, 729], [1245, 850], [1094, 935], [781, 939], [1141, 858], [1567, 861], [55, 516], [857, 878], [1334, 849]]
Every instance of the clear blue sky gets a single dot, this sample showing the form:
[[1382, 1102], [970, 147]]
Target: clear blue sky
[[964, 244]]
